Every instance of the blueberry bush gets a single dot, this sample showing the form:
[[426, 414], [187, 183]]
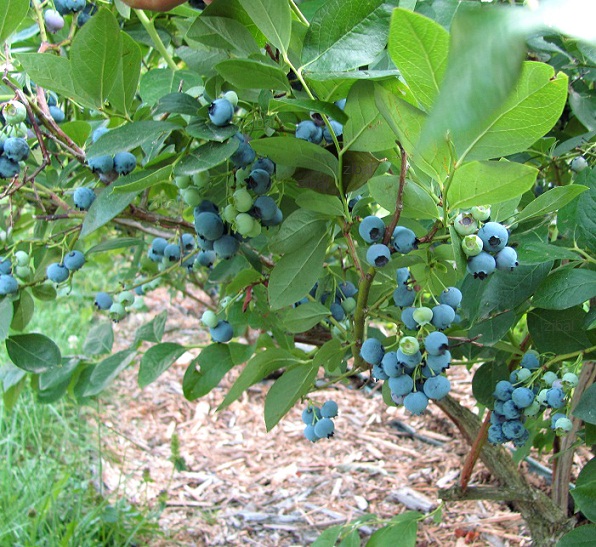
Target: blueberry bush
[[403, 186]]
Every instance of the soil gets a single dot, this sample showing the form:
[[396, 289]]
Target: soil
[[244, 486]]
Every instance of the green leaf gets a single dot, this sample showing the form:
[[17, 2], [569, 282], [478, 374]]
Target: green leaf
[[584, 492], [51, 72], [259, 367], [104, 373], [253, 74], [33, 352], [273, 18], [156, 360], [493, 329], [530, 111], [58, 375], [401, 531], [287, 389], [296, 273], [206, 156], [95, 56], [586, 210], [330, 206], [129, 136], [329, 355], [366, 129], [345, 34], [558, 331], [487, 48], [565, 288], [305, 316], [78, 131], [137, 182], [12, 13], [329, 537], [24, 308], [417, 202], [179, 103], [223, 33], [485, 379], [586, 407], [153, 330], [100, 339], [107, 205], [418, 46], [157, 82], [582, 536], [206, 371], [112, 244], [550, 201], [351, 540], [297, 153], [242, 280], [127, 77], [204, 129], [283, 104], [482, 182], [298, 229], [6, 311]]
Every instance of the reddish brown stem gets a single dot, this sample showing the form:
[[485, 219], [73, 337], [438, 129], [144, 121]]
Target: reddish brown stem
[[399, 202], [474, 453]]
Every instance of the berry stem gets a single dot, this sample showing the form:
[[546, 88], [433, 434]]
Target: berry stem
[[157, 42], [399, 202]]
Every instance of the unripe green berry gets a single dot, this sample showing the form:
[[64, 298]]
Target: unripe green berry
[[533, 409], [256, 229], [230, 213], [23, 272], [523, 374], [14, 112], [422, 316], [22, 258], [579, 164], [409, 345], [209, 319], [471, 245], [465, 224], [183, 181], [200, 180], [191, 196], [349, 304], [481, 212], [232, 97], [225, 301], [563, 425], [541, 397], [549, 377], [570, 378], [242, 200], [126, 298], [116, 312], [244, 223]]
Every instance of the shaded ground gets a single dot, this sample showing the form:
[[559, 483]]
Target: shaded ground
[[244, 486]]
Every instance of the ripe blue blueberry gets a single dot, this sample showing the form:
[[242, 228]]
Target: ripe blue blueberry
[[329, 409], [158, 246], [371, 229], [309, 433], [83, 197], [57, 114], [244, 156], [5, 266], [443, 316], [506, 259], [324, 428], [226, 246], [494, 236], [372, 351], [407, 318], [337, 312], [337, 127], [404, 240], [451, 296], [510, 410], [409, 362], [378, 255], [16, 149], [264, 208], [341, 103], [437, 387], [401, 385], [208, 225], [403, 296], [8, 284], [402, 275], [124, 163], [172, 252], [378, 373], [222, 332], [309, 131], [58, 273], [103, 301], [555, 397], [8, 168], [259, 181], [53, 20], [503, 390], [101, 164], [187, 242], [522, 397], [481, 265], [221, 112], [266, 164], [578, 164], [438, 363], [277, 219], [495, 434], [347, 290], [436, 343], [513, 429], [391, 367], [206, 258], [74, 260], [416, 402], [99, 132], [530, 360], [308, 415]]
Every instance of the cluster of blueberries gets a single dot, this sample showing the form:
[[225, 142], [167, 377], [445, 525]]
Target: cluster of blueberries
[[54, 18], [8, 283], [315, 130], [484, 243], [319, 421], [118, 306], [342, 305], [528, 393], [13, 146], [372, 231], [220, 330]]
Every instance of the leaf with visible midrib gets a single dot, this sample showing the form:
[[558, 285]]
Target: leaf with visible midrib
[[273, 18], [565, 288], [12, 12], [33, 352]]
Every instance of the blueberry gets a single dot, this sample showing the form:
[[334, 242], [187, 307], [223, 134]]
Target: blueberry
[[83, 197], [101, 164], [522, 397], [341, 103], [371, 229], [14, 112], [438, 363], [422, 315], [265, 164], [158, 246], [57, 114], [510, 410], [401, 385], [506, 259], [8, 284], [481, 265], [555, 417], [403, 296], [308, 415], [221, 112], [372, 351], [404, 240], [494, 236], [117, 312], [378, 373], [58, 273], [437, 387], [407, 318], [570, 379], [347, 289], [513, 429], [337, 312], [172, 252], [495, 434], [409, 345], [187, 242], [309, 430], [481, 213], [84, 16], [471, 245], [409, 362], [99, 132], [309, 131], [436, 343], [338, 129], [402, 275], [206, 258], [329, 409], [378, 255], [8, 168], [555, 397], [222, 332], [74, 6], [103, 301], [503, 390], [416, 402], [264, 208], [563, 424], [244, 156], [578, 164], [530, 360], [124, 163], [126, 298], [206, 206], [465, 224], [226, 246], [324, 428], [391, 367], [74, 260], [16, 149], [209, 225], [451, 296], [443, 316], [204, 244], [259, 181]]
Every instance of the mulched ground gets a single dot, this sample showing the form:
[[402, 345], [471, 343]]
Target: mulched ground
[[244, 486]]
